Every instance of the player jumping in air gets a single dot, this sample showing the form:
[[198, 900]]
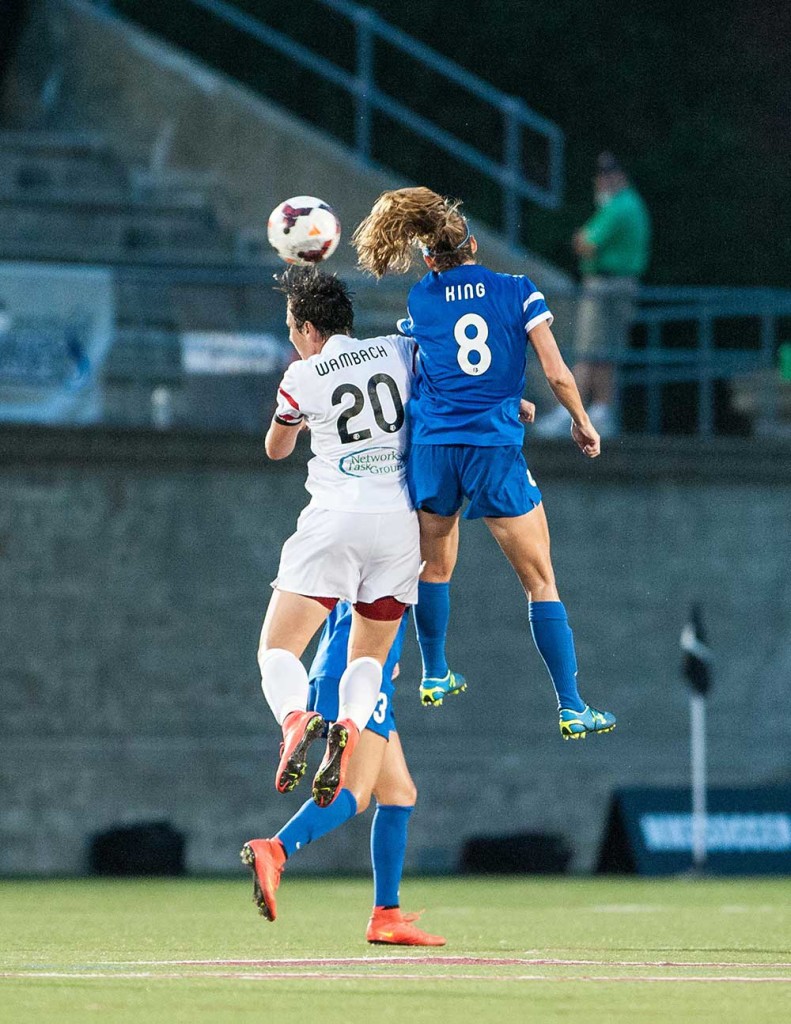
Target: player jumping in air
[[471, 326], [357, 540], [378, 768]]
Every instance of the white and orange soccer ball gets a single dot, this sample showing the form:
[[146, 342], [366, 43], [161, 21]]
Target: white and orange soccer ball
[[303, 230]]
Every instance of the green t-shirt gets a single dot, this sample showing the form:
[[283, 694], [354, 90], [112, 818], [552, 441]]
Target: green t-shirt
[[621, 232]]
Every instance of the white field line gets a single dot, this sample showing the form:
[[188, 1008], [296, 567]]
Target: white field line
[[439, 960], [654, 908], [348, 976]]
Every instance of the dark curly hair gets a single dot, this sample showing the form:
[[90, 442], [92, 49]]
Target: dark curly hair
[[316, 296]]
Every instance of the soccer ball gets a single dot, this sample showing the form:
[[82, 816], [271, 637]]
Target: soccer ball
[[303, 230]]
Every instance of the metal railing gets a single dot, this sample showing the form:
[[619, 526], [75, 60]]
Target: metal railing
[[508, 173], [687, 334], [703, 362], [698, 314]]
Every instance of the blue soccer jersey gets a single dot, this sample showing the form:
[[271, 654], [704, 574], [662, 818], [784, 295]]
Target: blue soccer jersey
[[470, 326]]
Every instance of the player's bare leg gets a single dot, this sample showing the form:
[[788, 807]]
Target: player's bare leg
[[439, 550], [525, 542], [370, 641], [290, 623], [365, 767], [394, 784], [372, 638], [395, 796], [439, 545]]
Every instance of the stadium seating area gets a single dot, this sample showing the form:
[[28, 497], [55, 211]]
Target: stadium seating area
[[66, 197]]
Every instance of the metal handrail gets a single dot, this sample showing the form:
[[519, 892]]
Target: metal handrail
[[704, 363], [653, 366], [508, 173]]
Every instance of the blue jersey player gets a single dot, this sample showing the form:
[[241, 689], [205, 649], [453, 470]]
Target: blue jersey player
[[471, 327], [376, 768]]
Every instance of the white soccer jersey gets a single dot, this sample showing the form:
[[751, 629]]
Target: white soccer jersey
[[353, 395]]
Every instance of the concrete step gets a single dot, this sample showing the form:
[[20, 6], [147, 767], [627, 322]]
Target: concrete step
[[55, 229], [26, 176], [23, 186], [155, 253], [47, 142]]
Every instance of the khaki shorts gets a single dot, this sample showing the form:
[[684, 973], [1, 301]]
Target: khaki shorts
[[353, 556], [604, 316]]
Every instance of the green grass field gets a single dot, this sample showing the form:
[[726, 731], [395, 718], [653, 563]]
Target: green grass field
[[588, 950]]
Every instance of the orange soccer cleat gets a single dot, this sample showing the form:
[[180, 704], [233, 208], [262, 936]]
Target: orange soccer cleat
[[389, 927], [342, 738], [266, 858], [300, 729]]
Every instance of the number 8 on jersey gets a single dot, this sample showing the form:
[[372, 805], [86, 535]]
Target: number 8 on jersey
[[476, 343]]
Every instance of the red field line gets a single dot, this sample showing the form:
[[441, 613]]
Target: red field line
[[348, 976]]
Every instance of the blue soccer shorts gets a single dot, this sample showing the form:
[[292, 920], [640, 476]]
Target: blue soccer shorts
[[323, 697], [496, 480]]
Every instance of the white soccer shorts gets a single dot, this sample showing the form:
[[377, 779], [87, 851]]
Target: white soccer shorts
[[353, 556]]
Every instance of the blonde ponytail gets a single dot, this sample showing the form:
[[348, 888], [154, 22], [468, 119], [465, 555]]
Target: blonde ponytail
[[404, 219]]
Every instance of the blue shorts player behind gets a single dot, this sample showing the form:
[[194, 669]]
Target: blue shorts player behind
[[330, 661], [376, 766], [471, 327]]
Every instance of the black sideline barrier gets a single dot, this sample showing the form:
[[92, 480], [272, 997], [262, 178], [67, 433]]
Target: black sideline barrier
[[149, 848], [523, 853], [649, 832]]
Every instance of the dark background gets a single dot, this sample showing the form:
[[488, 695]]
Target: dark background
[[694, 98], [11, 20]]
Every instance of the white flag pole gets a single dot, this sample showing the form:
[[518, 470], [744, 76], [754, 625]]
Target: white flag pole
[[697, 662], [697, 713]]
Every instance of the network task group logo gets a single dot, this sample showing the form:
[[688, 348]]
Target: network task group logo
[[372, 462]]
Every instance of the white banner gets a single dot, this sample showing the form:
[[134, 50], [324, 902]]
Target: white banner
[[217, 352]]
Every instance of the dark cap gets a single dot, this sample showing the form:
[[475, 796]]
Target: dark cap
[[606, 163]]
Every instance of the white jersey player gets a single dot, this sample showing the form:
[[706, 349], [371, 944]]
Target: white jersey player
[[358, 538]]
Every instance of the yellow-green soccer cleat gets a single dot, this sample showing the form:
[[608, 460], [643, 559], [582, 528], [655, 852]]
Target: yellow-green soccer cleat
[[434, 691], [575, 725]]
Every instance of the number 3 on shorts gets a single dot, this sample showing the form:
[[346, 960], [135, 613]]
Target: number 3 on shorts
[[475, 344], [381, 709]]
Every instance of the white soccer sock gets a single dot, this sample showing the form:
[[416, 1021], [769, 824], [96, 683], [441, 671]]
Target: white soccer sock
[[284, 682], [359, 690]]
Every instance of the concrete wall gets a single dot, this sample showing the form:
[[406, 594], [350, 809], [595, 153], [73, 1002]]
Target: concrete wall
[[134, 572]]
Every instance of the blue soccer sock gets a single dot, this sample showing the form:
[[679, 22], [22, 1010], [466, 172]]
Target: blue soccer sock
[[555, 642], [312, 822], [432, 613], [388, 848]]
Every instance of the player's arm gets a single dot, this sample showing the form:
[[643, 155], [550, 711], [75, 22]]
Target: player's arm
[[281, 438], [564, 387]]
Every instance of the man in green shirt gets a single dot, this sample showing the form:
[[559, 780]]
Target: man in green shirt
[[613, 247]]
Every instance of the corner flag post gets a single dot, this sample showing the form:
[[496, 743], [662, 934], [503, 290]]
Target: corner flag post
[[696, 667], [697, 714]]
